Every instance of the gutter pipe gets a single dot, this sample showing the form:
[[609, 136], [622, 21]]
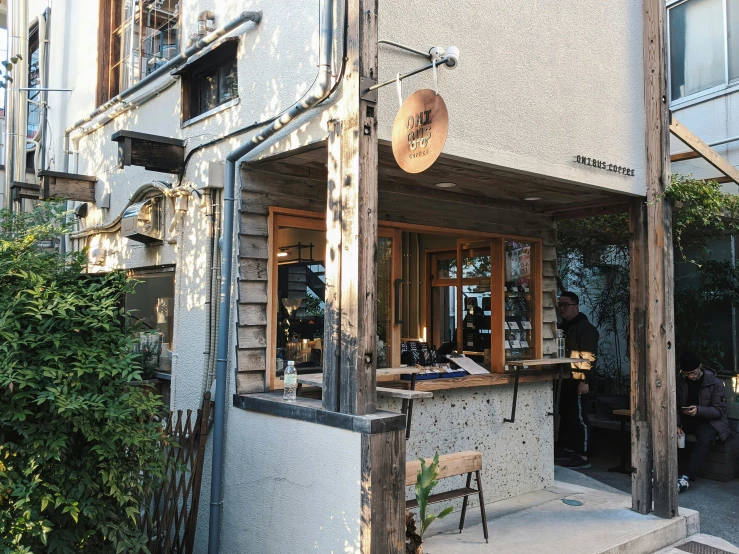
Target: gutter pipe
[[174, 63], [316, 94]]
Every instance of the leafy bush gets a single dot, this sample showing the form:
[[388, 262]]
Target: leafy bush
[[428, 478], [79, 445]]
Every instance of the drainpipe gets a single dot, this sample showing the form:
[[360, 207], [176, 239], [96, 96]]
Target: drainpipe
[[16, 122], [316, 94], [172, 64]]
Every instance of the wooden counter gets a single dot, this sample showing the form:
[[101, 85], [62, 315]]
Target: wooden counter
[[469, 381]]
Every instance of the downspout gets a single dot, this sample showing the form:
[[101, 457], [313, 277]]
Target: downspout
[[172, 64], [316, 94], [45, 23]]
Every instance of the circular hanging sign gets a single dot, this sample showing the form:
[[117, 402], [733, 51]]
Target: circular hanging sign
[[420, 131]]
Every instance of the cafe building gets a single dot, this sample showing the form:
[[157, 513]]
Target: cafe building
[[388, 225]]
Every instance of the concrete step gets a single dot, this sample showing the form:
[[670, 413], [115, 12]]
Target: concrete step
[[703, 544], [541, 522]]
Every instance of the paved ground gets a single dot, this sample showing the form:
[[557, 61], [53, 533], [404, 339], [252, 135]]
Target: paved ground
[[590, 522], [718, 503]]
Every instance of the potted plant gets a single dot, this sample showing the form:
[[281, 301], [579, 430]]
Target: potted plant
[[427, 480]]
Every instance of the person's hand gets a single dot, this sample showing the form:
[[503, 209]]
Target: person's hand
[[692, 411], [680, 432], [583, 388]]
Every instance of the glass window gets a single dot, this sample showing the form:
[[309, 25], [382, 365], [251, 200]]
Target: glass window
[[34, 80], [518, 327], [732, 24], [211, 81], [698, 56], [151, 306], [142, 35], [301, 293]]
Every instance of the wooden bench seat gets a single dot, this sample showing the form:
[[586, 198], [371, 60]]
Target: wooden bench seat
[[450, 465]]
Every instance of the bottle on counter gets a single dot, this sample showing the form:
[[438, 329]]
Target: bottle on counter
[[290, 379]]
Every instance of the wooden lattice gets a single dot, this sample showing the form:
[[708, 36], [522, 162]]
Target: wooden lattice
[[173, 508]]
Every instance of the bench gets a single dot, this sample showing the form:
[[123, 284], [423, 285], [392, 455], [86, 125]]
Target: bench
[[722, 461], [450, 465]]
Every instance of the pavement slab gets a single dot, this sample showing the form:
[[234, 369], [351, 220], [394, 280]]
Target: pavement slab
[[542, 522]]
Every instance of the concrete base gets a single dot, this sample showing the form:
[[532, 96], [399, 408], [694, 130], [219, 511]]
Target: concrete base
[[541, 522]]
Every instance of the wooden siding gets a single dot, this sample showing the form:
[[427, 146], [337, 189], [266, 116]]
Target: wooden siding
[[262, 190]]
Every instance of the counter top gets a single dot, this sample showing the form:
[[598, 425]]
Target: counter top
[[489, 380]]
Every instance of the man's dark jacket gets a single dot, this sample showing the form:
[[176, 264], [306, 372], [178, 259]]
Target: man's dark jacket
[[711, 402], [581, 341]]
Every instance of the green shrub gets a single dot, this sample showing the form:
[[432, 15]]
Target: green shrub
[[80, 447]]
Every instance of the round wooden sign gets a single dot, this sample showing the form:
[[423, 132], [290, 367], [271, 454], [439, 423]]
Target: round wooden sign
[[420, 131]]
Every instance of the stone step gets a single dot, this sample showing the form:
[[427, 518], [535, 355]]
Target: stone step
[[701, 544]]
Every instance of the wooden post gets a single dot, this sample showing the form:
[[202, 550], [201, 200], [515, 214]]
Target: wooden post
[[659, 268], [351, 226], [641, 447]]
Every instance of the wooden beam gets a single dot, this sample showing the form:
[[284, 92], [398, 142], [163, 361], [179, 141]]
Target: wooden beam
[[703, 150], [351, 227], [660, 315], [641, 447], [682, 156], [720, 180]]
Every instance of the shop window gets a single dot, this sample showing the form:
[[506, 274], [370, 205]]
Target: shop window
[[704, 46], [299, 296], [520, 304], [210, 81], [151, 308], [135, 38]]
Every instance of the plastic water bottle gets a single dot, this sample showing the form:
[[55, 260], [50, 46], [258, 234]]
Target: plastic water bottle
[[291, 382], [560, 343]]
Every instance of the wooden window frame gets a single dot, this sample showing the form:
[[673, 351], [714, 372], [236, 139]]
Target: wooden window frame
[[301, 219], [192, 74], [110, 55]]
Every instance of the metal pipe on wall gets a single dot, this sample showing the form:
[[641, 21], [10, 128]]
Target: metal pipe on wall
[[172, 64], [318, 92], [16, 106]]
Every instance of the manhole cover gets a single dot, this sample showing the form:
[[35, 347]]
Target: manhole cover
[[571, 502], [700, 548]]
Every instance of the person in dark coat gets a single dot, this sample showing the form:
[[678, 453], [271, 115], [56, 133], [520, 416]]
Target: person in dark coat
[[581, 341], [701, 411]]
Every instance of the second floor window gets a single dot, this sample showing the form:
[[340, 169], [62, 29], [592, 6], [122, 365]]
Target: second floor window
[[704, 46], [136, 37]]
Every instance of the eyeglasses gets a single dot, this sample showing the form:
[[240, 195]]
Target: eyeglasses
[[691, 372], [563, 304]]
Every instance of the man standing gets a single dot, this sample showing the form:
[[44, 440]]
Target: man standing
[[701, 411], [581, 341]]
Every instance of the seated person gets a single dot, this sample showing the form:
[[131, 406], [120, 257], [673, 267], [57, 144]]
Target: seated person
[[701, 410]]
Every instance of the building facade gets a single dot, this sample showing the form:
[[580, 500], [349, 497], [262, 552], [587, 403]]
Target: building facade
[[546, 115]]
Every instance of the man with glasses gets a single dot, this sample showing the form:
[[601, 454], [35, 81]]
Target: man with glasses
[[701, 411], [581, 341]]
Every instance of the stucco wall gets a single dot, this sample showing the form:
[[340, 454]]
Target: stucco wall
[[537, 82], [516, 457], [298, 492]]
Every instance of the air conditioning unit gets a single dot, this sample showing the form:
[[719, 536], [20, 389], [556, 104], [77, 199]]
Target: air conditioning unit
[[143, 221]]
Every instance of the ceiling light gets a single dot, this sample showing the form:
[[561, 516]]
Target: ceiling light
[[532, 198], [282, 254], [446, 185]]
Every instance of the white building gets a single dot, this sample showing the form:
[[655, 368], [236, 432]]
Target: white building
[[546, 121]]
